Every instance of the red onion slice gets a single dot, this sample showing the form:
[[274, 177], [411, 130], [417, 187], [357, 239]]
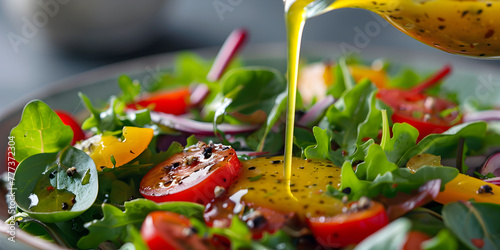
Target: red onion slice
[[316, 111], [198, 94], [492, 165], [489, 115], [495, 181], [197, 127]]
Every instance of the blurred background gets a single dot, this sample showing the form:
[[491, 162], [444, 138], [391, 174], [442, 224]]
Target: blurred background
[[43, 41]]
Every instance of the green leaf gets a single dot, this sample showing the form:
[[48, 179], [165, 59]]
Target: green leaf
[[339, 85], [355, 116], [323, 148], [443, 240], [273, 117], [474, 221], [392, 236], [406, 79], [350, 180], [43, 185], [134, 239], [445, 144], [404, 137], [114, 222], [278, 240], [40, 131], [101, 121], [248, 90], [375, 164], [425, 220], [130, 89]]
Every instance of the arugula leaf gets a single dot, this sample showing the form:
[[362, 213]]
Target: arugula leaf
[[323, 148], [39, 131], [475, 224], [44, 185], [105, 120], [349, 180], [113, 118], [445, 144], [404, 137], [130, 89], [240, 236], [114, 222], [375, 164], [355, 116]]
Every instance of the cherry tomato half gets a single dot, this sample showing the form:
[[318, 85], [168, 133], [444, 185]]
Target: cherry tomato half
[[69, 120], [428, 114], [192, 175], [414, 240], [170, 231], [174, 102], [219, 212], [350, 227]]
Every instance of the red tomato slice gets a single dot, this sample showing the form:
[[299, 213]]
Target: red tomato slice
[[192, 175], [170, 231], [69, 120], [423, 112], [350, 227], [172, 101], [414, 240], [219, 212]]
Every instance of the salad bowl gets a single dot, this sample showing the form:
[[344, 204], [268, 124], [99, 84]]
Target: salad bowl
[[474, 81]]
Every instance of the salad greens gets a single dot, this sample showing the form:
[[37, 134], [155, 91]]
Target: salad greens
[[39, 131], [105, 207], [55, 187]]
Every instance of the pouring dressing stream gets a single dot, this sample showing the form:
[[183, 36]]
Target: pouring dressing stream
[[466, 28]]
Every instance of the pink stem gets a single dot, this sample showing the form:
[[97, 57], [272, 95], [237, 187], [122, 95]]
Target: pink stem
[[231, 46], [432, 80]]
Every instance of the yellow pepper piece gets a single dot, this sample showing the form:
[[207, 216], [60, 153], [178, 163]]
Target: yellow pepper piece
[[378, 77], [465, 187], [135, 142]]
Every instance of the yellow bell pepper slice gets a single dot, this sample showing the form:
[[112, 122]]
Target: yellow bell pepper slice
[[136, 140], [465, 187]]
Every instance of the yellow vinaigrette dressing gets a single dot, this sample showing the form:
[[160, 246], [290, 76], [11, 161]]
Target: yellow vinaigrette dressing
[[467, 27]]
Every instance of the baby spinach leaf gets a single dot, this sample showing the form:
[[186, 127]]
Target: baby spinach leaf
[[392, 236], [475, 224], [445, 144], [249, 90], [114, 223], [50, 188], [40, 131]]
